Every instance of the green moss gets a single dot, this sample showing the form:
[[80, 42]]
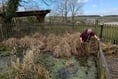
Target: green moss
[[4, 48], [4, 76], [83, 61], [67, 68], [5, 51]]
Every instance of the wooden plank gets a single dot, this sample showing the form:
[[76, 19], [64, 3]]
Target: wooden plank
[[30, 13], [104, 71]]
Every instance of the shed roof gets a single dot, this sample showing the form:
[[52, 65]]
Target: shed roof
[[30, 13]]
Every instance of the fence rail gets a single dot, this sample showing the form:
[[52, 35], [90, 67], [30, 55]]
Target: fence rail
[[104, 72]]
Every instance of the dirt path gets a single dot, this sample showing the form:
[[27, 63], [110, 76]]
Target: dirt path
[[113, 66]]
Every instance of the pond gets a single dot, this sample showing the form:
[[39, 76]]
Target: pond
[[69, 68], [4, 63], [61, 68]]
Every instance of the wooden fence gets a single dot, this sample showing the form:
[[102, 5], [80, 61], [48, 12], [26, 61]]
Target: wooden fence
[[103, 69], [108, 33]]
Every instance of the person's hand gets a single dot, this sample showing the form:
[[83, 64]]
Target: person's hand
[[98, 39], [81, 40]]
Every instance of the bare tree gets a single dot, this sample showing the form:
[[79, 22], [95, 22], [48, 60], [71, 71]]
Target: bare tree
[[53, 17], [69, 8], [66, 9], [63, 9], [2, 6], [31, 6], [60, 11], [47, 2], [75, 8]]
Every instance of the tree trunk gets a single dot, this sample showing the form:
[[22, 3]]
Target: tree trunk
[[7, 16], [73, 20]]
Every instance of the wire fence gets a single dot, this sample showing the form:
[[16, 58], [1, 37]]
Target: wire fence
[[107, 33]]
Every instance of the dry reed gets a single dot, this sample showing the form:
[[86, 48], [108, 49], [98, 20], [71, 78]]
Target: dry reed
[[60, 46], [62, 49], [25, 42], [29, 68], [51, 41], [66, 44]]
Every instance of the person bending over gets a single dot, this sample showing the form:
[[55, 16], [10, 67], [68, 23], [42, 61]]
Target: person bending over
[[86, 35]]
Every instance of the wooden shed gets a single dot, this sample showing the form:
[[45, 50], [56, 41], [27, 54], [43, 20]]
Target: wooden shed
[[39, 14]]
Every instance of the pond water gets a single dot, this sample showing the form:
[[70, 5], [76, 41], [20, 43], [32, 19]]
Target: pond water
[[4, 63], [62, 68], [5, 60], [69, 68]]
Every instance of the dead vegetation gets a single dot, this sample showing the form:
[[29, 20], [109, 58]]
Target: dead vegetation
[[63, 45], [29, 68], [110, 49], [25, 42]]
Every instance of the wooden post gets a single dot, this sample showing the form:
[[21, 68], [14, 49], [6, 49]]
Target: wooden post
[[101, 31], [41, 18]]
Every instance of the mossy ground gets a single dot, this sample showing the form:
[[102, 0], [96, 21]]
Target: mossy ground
[[69, 67], [5, 51], [66, 67]]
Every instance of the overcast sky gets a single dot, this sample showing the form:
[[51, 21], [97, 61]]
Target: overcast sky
[[91, 7]]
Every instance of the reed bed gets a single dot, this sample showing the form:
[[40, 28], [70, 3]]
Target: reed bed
[[63, 45]]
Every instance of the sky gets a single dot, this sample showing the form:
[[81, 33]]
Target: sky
[[91, 7], [101, 7]]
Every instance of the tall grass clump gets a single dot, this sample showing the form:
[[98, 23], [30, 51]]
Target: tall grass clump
[[67, 45], [29, 68], [62, 49], [24, 42], [51, 41]]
